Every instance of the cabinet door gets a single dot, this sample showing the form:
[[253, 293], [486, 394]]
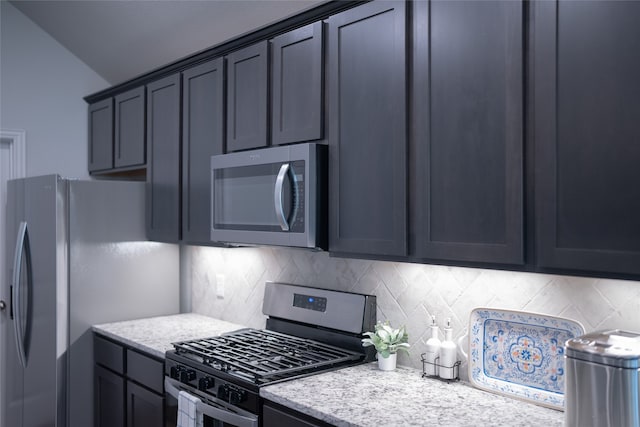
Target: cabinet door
[[587, 135], [101, 135], [109, 400], [163, 173], [202, 137], [144, 408], [367, 129], [247, 97], [467, 127], [296, 84], [130, 129]]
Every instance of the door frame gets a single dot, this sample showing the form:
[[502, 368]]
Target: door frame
[[13, 155]]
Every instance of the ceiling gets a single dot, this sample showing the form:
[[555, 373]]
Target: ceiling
[[123, 39]]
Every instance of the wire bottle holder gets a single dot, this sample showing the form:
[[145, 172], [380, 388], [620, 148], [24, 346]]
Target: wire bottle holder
[[455, 368]]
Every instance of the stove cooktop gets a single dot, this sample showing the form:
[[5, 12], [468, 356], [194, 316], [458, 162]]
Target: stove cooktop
[[261, 357]]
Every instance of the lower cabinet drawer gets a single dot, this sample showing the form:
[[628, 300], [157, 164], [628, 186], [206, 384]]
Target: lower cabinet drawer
[[145, 370], [108, 354]]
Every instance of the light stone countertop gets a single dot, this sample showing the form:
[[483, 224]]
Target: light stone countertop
[[355, 396], [365, 396], [154, 335]]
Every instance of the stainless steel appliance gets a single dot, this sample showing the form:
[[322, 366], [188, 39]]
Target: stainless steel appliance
[[274, 196], [602, 380], [308, 331], [78, 256]]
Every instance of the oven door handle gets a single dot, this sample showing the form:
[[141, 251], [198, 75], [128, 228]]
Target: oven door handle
[[213, 411]]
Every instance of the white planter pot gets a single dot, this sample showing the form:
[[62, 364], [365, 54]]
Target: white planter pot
[[388, 363]]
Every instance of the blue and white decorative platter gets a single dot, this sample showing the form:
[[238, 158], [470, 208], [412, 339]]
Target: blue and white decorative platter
[[520, 354]]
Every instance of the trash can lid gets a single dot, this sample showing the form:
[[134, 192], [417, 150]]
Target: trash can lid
[[613, 347]]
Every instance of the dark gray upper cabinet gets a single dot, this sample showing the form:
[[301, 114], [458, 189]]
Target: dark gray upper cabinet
[[130, 128], [367, 129], [248, 97], [467, 131], [202, 137], [296, 85], [163, 173], [587, 135], [101, 135]]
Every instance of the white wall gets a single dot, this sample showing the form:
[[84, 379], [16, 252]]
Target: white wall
[[41, 89]]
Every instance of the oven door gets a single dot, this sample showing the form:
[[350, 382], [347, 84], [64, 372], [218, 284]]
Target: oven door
[[215, 412]]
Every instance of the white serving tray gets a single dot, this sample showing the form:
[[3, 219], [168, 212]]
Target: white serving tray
[[520, 354]]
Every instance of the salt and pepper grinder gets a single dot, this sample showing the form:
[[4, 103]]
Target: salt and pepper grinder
[[433, 349], [448, 352]]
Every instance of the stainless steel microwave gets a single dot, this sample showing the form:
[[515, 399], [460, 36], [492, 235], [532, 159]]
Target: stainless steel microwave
[[273, 196]]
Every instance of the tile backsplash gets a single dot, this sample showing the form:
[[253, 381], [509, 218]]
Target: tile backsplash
[[406, 293]]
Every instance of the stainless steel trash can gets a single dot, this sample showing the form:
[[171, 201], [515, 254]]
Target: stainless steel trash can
[[601, 383]]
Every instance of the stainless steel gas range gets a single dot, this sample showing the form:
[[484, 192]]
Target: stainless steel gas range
[[308, 331]]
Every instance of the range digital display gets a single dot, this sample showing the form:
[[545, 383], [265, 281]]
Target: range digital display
[[310, 302]]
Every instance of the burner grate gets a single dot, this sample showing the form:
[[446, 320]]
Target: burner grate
[[263, 354]]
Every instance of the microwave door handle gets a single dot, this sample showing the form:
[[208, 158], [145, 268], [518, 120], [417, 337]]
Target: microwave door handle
[[277, 197]]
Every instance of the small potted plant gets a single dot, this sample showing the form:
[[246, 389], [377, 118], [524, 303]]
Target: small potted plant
[[387, 341]]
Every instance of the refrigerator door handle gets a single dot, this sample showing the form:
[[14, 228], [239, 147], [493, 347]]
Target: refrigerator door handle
[[22, 248], [11, 302]]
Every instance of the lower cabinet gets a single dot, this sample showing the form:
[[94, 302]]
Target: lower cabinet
[[109, 398], [144, 407], [128, 386], [274, 415]]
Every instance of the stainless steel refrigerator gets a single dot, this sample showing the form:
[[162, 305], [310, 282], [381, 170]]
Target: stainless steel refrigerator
[[77, 256]]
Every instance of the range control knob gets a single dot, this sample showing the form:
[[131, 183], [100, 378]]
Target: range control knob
[[205, 383], [237, 396], [223, 393], [175, 372], [187, 375]]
